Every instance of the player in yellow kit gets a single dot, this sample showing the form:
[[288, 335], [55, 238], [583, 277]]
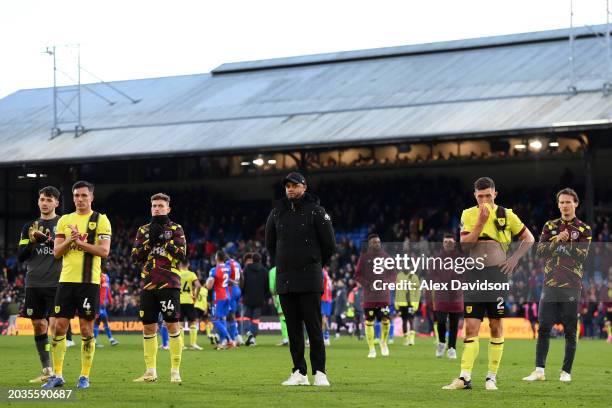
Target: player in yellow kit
[[487, 231], [190, 288], [407, 304], [82, 240], [201, 307]]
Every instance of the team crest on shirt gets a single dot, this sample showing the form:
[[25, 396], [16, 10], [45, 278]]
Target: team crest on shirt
[[167, 235], [468, 309], [575, 235], [29, 312], [501, 222], [57, 309], [92, 225], [141, 313]]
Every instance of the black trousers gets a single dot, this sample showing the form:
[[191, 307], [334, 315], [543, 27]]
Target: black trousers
[[304, 309], [453, 327], [558, 306]]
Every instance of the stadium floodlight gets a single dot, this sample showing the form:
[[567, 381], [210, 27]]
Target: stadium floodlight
[[520, 146], [258, 161], [245, 163], [553, 144], [272, 161], [535, 144], [31, 175]]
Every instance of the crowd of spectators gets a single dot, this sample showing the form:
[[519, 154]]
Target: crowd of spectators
[[400, 209]]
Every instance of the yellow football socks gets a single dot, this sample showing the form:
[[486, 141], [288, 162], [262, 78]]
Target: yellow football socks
[[150, 350], [384, 330], [496, 349], [369, 332], [193, 335], [88, 349], [471, 347], [58, 351], [176, 350]]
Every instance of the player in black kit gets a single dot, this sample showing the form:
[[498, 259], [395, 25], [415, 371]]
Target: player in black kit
[[43, 270]]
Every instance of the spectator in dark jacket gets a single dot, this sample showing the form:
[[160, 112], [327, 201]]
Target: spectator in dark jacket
[[300, 239], [255, 291]]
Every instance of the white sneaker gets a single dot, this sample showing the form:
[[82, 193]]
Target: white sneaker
[[46, 373], [384, 349], [320, 380], [536, 375], [175, 376], [148, 376], [440, 350], [69, 343], [326, 342], [490, 384], [372, 353], [239, 341], [451, 353], [565, 377], [296, 379], [195, 347], [459, 384]]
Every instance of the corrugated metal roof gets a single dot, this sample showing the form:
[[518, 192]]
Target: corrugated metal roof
[[469, 87]]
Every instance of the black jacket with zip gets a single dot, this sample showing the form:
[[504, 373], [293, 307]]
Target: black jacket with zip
[[300, 239]]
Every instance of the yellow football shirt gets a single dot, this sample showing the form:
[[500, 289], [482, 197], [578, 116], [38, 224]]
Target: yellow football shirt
[[72, 262], [512, 225], [187, 279], [201, 301]]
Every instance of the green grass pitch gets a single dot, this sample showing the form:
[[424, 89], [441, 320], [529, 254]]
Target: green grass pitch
[[251, 377]]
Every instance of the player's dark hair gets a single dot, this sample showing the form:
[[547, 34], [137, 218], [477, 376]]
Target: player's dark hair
[[248, 256], [484, 183], [220, 255], [570, 192], [449, 235], [161, 196], [372, 236], [50, 191], [256, 257], [81, 184]]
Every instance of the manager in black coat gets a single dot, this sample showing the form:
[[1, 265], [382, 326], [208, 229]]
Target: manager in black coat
[[300, 239]]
